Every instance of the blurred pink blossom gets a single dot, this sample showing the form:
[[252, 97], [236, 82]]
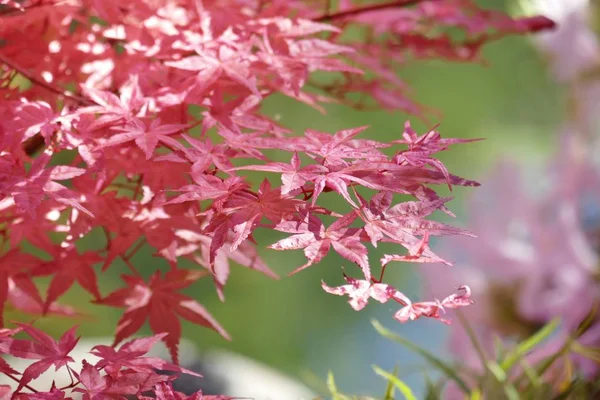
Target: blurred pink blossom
[[572, 46], [536, 258]]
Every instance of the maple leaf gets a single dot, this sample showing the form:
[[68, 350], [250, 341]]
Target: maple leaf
[[114, 109], [202, 154], [70, 267], [164, 391], [6, 392], [432, 309], [292, 176], [5, 335], [218, 261], [145, 137], [97, 386], [360, 291], [210, 64], [36, 117], [316, 240], [29, 190], [129, 355], [245, 210], [418, 252], [421, 148], [402, 223], [159, 302], [333, 149], [53, 394], [209, 187], [25, 298], [43, 348], [232, 115], [15, 276]]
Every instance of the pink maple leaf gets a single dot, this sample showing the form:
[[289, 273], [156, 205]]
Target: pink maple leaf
[[316, 240], [129, 355], [159, 302], [433, 309], [360, 291], [164, 391], [69, 266], [292, 176], [43, 348], [145, 137], [420, 149], [29, 190], [16, 282], [113, 109]]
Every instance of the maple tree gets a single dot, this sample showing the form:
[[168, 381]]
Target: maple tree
[[138, 119]]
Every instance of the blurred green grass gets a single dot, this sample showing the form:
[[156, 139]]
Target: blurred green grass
[[512, 103]]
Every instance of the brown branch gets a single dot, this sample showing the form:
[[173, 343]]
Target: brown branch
[[36, 142], [11, 11], [48, 86], [33, 144], [368, 8]]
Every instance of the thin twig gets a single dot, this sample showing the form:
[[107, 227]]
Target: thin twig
[[19, 382], [11, 64], [367, 8]]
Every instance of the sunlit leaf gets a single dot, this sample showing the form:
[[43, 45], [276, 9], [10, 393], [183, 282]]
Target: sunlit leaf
[[447, 369], [397, 383], [528, 344]]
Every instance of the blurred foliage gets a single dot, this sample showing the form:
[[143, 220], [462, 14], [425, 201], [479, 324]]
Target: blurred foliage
[[498, 380]]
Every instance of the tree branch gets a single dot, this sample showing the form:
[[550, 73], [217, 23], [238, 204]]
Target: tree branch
[[48, 86], [368, 8], [36, 142]]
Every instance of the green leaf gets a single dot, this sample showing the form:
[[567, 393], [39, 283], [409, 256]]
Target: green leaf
[[389, 391], [534, 378], [587, 321], [528, 344], [314, 381], [396, 382], [472, 337], [333, 388], [500, 375], [475, 395], [565, 394], [434, 390], [447, 369]]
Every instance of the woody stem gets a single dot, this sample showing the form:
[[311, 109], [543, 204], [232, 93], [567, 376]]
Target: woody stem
[[368, 8]]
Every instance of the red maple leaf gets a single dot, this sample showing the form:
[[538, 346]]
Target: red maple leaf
[[129, 355], [48, 351], [421, 149], [98, 386], [5, 335], [15, 276], [164, 391], [145, 137], [316, 240], [210, 64], [69, 267], [113, 109], [360, 291], [292, 176], [28, 190], [433, 309], [159, 302]]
